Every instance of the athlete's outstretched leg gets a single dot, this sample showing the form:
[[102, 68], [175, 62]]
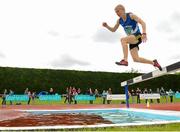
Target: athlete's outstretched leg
[[136, 58]]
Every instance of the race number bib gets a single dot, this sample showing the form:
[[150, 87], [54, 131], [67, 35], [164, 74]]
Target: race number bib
[[128, 29]]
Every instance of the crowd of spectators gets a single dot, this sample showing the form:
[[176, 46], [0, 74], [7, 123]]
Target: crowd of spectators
[[164, 94], [72, 91]]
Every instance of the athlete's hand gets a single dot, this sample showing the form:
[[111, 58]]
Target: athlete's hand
[[144, 38], [104, 24]]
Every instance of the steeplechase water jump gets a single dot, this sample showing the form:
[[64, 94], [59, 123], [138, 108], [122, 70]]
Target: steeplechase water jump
[[113, 106]]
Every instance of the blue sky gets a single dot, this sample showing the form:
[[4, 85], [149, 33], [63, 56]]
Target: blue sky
[[67, 34]]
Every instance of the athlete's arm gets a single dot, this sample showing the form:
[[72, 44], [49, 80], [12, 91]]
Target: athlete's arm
[[139, 20], [143, 24], [112, 29]]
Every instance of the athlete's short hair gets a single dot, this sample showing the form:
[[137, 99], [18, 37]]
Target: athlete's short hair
[[120, 7]]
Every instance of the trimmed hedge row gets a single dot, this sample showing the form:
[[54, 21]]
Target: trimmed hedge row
[[38, 80]]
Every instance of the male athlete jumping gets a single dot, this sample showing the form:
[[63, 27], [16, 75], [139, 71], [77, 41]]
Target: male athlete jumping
[[129, 22]]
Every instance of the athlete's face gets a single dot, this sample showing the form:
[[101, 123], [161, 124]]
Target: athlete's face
[[119, 11]]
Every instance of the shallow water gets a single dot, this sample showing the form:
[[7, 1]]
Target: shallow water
[[54, 119], [84, 117]]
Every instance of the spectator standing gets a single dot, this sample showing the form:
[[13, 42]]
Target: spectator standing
[[171, 94], [104, 95], [74, 93], [11, 93], [158, 91], [138, 92], [4, 97], [150, 92], [33, 96], [133, 94], [146, 92], [29, 94], [163, 94], [96, 93], [109, 92], [79, 91], [70, 95], [91, 94], [51, 91], [66, 96], [26, 91]]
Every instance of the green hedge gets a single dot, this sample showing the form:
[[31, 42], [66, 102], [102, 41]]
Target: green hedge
[[38, 80]]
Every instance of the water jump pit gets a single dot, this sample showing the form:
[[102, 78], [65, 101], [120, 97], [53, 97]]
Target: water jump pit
[[87, 118]]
